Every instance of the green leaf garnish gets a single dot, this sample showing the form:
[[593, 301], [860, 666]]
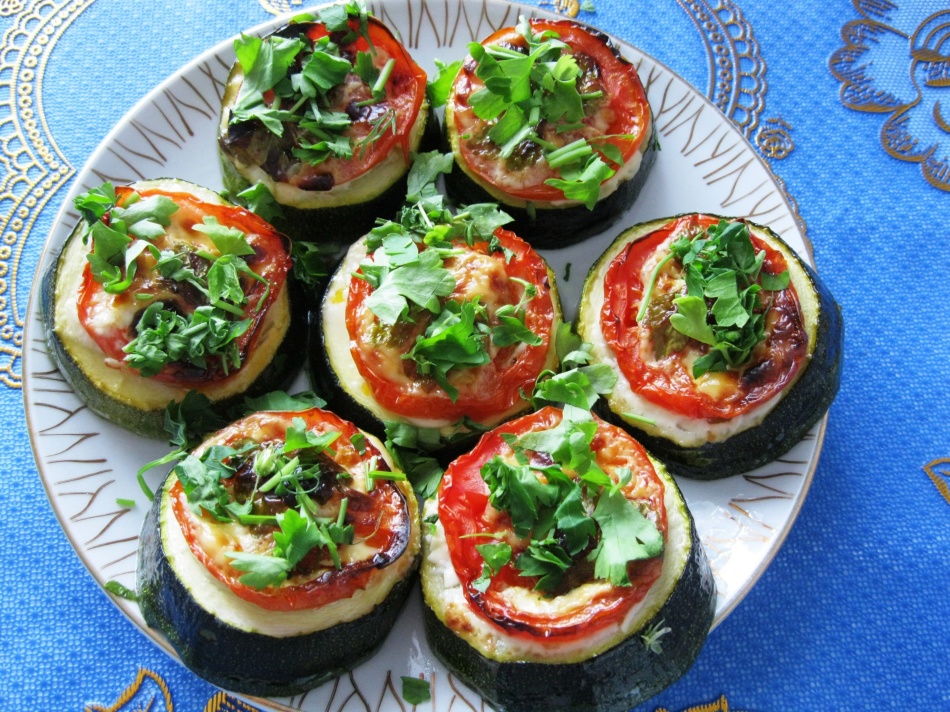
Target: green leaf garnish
[[722, 307], [415, 691]]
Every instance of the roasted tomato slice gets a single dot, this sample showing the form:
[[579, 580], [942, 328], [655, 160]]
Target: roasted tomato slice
[[468, 518], [664, 375], [623, 113], [485, 391], [110, 319], [380, 514], [395, 114]]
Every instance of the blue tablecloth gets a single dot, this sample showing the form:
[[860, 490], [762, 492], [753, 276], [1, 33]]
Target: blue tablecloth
[[850, 104]]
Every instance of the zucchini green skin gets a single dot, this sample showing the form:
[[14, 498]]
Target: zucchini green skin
[[150, 422], [614, 681], [554, 227], [338, 393], [248, 662], [801, 407]]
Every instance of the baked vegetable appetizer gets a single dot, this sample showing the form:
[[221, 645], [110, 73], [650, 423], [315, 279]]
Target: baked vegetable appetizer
[[324, 114], [279, 552], [549, 120], [563, 571], [164, 288], [439, 321], [728, 345]]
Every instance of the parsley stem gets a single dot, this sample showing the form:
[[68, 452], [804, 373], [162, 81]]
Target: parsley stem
[[569, 153], [648, 293], [341, 517], [592, 95], [380, 86], [499, 52]]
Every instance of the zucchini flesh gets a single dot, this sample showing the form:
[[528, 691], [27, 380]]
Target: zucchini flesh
[[608, 670], [121, 395], [334, 369], [707, 450], [233, 643]]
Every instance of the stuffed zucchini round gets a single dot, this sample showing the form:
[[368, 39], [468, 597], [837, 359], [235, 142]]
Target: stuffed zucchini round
[[164, 288], [279, 552], [325, 115], [727, 344], [564, 571], [441, 336], [549, 120]]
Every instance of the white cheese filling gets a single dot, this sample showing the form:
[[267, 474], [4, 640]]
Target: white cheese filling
[[444, 594], [680, 429], [216, 598], [338, 345]]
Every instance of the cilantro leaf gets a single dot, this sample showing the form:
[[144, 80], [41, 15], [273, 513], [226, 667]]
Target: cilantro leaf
[[415, 691], [626, 536], [262, 570]]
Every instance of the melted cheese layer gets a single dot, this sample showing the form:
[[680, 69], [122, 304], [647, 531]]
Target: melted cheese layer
[[216, 598], [681, 429], [443, 593]]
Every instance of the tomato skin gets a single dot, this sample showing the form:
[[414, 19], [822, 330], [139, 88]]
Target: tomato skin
[[627, 103], [271, 261], [381, 517], [464, 510], [496, 387], [669, 382], [405, 92]]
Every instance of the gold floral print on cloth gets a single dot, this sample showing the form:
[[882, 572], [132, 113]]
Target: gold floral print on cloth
[[147, 692], [896, 61], [32, 167]]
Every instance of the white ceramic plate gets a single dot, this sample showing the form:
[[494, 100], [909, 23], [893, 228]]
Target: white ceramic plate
[[705, 164]]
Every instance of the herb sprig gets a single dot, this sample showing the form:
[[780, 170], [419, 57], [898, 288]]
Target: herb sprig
[[410, 280], [539, 85], [723, 305]]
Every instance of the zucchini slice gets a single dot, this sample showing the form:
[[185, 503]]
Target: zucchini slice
[[88, 327], [735, 417], [587, 640], [334, 151], [365, 366], [302, 583], [566, 169]]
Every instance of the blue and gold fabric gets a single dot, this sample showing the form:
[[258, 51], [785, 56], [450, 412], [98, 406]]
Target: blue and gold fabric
[[849, 106]]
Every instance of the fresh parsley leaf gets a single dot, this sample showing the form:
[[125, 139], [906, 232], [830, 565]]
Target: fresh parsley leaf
[[262, 570], [415, 691], [440, 86], [626, 536], [281, 401], [496, 556]]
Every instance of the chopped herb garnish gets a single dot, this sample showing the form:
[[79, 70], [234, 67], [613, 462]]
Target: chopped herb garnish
[[287, 84], [723, 306], [411, 282], [534, 87], [576, 512]]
